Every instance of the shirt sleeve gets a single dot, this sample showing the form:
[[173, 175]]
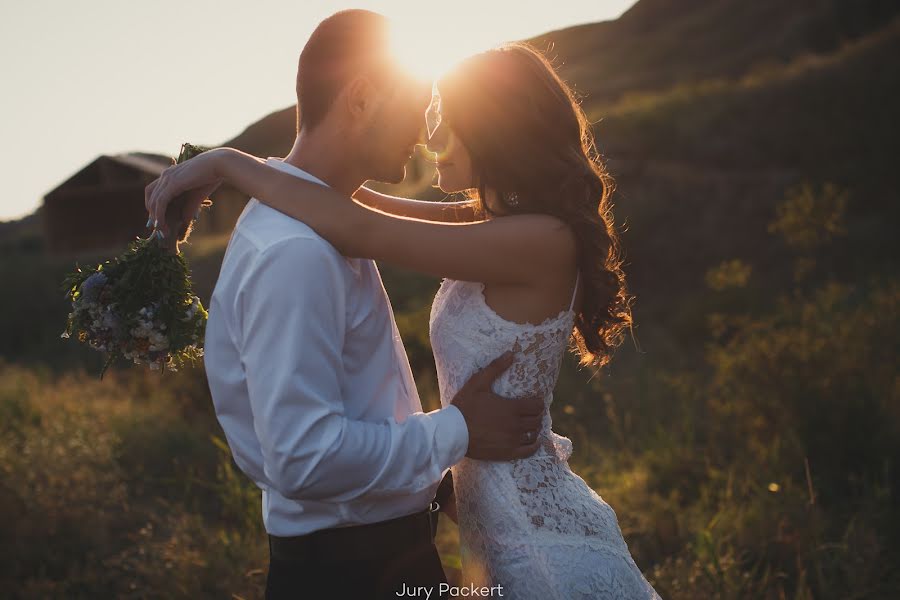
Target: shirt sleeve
[[293, 307]]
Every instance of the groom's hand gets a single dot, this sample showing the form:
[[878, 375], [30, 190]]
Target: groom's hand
[[499, 427]]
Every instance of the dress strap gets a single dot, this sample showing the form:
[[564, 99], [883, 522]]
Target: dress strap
[[575, 291]]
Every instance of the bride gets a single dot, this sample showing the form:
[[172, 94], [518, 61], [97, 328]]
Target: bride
[[530, 261]]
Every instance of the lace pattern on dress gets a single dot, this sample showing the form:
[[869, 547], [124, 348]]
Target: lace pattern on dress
[[529, 521]]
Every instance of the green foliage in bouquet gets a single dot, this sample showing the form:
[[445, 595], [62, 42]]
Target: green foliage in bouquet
[[139, 305]]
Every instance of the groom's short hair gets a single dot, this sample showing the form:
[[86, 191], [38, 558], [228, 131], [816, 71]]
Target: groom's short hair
[[344, 45]]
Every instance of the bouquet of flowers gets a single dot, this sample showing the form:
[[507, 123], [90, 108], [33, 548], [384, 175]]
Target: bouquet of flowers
[[141, 305]]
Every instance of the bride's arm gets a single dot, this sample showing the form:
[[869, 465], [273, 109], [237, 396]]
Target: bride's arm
[[520, 249], [448, 212]]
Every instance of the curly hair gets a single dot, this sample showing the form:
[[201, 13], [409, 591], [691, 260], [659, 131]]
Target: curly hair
[[529, 137]]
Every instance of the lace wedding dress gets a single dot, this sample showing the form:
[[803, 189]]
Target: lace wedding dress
[[531, 525]]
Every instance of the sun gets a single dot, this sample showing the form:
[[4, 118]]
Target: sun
[[428, 55]]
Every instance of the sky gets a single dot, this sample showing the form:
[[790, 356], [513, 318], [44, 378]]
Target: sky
[[81, 79]]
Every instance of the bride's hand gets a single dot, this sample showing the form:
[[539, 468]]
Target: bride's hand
[[188, 184]]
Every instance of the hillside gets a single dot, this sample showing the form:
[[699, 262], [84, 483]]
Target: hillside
[[658, 44], [273, 135], [701, 168]]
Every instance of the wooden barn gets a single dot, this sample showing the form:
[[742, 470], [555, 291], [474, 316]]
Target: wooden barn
[[101, 207]]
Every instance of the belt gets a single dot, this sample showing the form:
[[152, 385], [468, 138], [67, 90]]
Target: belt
[[359, 542]]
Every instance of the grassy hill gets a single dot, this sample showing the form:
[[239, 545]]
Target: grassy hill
[[659, 44], [701, 167]]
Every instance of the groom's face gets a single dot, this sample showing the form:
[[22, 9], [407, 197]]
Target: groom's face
[[395, 128]]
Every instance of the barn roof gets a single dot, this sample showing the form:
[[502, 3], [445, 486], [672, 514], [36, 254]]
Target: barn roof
[[153, 164], [142, 162]]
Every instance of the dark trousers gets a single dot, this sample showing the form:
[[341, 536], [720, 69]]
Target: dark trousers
[[392, 559], [387, 575]]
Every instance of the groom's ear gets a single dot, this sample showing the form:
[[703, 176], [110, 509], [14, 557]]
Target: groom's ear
[[360, 95]]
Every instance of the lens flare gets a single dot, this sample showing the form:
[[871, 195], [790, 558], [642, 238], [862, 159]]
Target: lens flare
[[427, 54]]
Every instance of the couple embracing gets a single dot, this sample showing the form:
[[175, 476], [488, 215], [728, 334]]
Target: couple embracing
[[308, 374]]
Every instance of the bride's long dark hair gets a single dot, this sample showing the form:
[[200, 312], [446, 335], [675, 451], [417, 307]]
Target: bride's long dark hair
[[530, 141]]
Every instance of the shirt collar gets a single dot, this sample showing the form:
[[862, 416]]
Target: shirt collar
[[278, 163]]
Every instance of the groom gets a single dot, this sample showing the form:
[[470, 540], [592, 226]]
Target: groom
[[309, 377]]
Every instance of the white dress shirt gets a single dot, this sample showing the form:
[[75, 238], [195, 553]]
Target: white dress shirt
[[311, 383]]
